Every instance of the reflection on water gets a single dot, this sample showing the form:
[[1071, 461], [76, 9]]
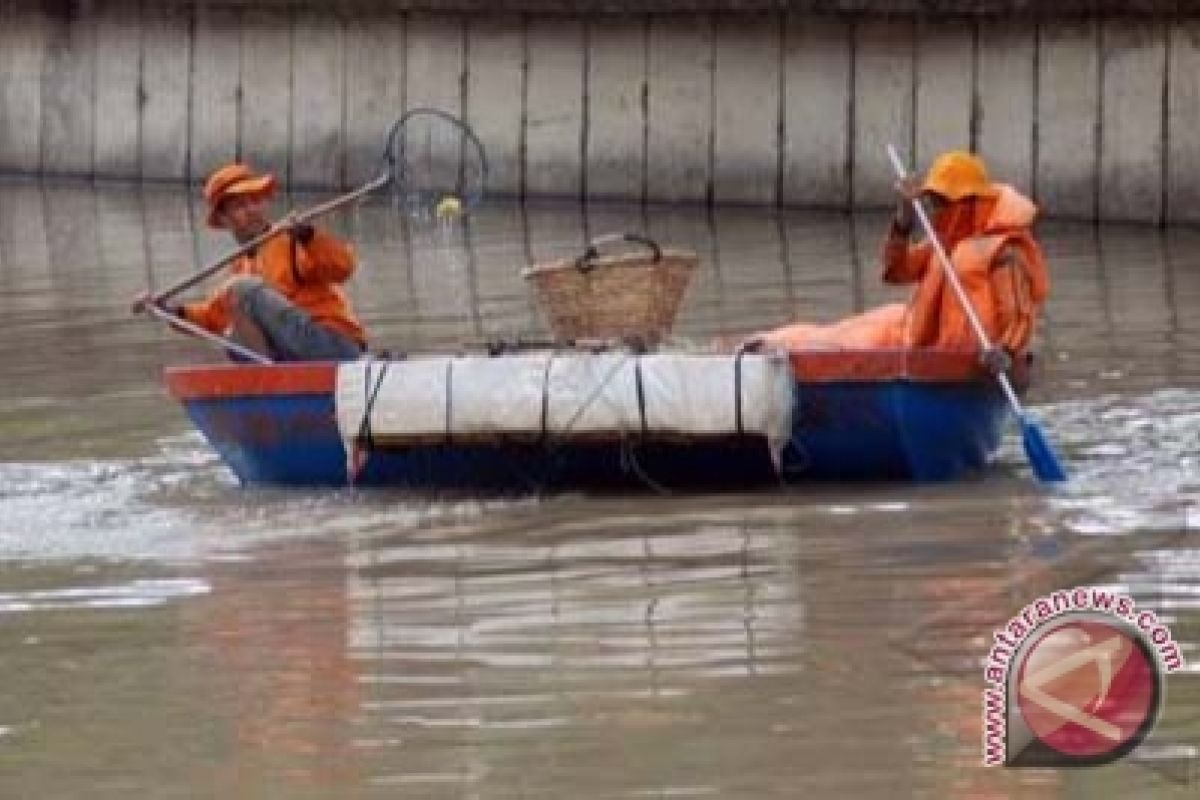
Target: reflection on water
[[138, 593], [164, 633], [553, 640]]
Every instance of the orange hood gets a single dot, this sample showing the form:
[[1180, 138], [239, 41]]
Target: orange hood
[[1012, 211], [1011, 217]]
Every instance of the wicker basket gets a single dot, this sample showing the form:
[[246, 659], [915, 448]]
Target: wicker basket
[[626, 296]]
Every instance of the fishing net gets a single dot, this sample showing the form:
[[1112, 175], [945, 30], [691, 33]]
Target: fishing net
[[438, 165]]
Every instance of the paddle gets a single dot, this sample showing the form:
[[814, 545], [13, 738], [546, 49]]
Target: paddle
[[440, 174], [1045, 463]]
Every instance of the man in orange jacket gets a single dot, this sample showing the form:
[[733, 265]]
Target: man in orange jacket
[[284, 299], [985, 228]]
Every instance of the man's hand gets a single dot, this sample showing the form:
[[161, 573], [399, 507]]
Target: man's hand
[[908, 189], [996, 360], [754, 344], [301, 231], [140, 303], [147, 299]]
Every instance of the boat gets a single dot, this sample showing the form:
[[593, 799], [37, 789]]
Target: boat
[[866, 415]]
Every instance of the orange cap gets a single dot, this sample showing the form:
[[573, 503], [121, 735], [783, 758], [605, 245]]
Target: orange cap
[[959, 174], [231, 180]]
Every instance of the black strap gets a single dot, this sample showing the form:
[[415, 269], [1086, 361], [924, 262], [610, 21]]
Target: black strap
[[370, 394], [737, 392], [295, 262], [545, 436], [641, 394], [449, 400]]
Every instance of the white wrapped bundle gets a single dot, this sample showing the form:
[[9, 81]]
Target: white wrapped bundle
[[498, 396], [565, 395], [410, 397], [593, 394]]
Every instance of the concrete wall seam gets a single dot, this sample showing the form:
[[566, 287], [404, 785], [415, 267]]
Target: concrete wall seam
[[1092, 115]]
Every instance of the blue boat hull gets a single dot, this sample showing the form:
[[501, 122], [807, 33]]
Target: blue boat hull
[[852, 430]]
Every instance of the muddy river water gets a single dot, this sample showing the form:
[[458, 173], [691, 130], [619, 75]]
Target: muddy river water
[[166, 633]]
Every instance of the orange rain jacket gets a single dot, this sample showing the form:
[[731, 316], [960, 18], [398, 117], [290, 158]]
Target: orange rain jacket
[[306, 274], [1000, 267]]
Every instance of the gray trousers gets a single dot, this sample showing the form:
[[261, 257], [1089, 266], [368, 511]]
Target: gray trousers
[[290, 331]]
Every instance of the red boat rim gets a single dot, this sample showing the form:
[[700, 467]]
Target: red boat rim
[[809, 366]]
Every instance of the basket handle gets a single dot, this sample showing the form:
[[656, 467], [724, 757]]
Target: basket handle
[[584, 262]]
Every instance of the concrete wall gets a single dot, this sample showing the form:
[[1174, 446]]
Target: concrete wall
[[1093, 115], [1024, 8]]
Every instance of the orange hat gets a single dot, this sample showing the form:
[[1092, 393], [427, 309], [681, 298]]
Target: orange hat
[[230, 180], [958, 174]]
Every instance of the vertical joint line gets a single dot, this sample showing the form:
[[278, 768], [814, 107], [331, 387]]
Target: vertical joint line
[[523, 142], [645, 104], [914, 68], [585, 111], [291, 99], [1165, 164], [139, 104], [461, 77], [1035, 150], [781, 108], [93, 22], [190, 113], [851, 114], [343, 162], [405, 21], [464, 102], [1098, 123], [239, 91], [42, 46], [92, 48], [710, 187], [976, 100]]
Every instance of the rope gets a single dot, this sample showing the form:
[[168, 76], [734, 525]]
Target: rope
[[628, 456], [793, 442], [449, 400], [364, 443], [641, 398], [629, 463], [554, 441], [294, 246], [737, 391], [587, 403], [628, 459], [544, 436], [371, 395]]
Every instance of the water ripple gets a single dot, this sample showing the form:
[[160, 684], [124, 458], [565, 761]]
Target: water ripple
[[142, 593]]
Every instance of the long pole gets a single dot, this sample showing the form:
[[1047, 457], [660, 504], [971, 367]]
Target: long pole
[[956, 285], [187, 325], [280, 227]]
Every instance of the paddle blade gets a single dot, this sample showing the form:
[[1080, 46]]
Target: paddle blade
[[1042, 458]]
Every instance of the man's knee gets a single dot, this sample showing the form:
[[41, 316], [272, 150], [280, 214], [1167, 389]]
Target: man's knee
[[243, 289]]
